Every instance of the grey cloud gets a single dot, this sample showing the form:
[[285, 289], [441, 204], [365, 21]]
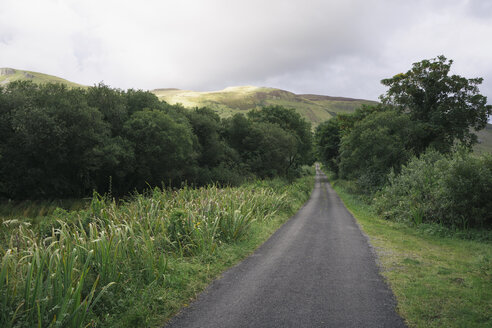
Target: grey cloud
[[480, 8], [342, 47]]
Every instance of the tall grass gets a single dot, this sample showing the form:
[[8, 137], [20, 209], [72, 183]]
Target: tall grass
[[54, 275]]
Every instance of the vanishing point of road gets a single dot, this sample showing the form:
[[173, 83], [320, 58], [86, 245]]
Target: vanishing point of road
[[317, 270]]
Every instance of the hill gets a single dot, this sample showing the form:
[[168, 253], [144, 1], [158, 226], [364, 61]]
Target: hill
[[485, 140], [231, 100], [10, 75]]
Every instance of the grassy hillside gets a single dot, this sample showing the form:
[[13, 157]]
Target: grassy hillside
[[314, 108], [485, 140], [10, 75]]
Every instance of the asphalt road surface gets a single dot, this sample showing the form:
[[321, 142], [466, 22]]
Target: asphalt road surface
[[318, 270]]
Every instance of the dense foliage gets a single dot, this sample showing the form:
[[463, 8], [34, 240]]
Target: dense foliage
[[450, 107], [59, 142], [425, 114], [380, 142], [452, 189]]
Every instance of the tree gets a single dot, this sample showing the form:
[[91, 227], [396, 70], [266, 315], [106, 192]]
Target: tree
[[328, 134], [206, 126], [111, 103], [449, 106], [327, 138], [377, 144], [272, 149], [289, 120], [265, 149], [51, 141], [216, 160], [162, 147], [138, 100]]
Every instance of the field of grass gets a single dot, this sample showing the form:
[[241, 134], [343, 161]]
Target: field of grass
[[439, 279], [485, 140], [10, 75], [227, 102], [136, 263]]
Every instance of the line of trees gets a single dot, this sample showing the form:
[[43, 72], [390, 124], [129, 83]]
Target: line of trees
[[60, 142], [426, 115]]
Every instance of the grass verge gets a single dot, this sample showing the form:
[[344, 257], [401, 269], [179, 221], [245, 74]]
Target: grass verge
[[437, 281]]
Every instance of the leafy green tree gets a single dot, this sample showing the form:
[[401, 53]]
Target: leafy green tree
[[265, 149], [272, 150], [327, 137], [111, 103], [379, 143], [163, 148], [137, 100], [346, 121], [216, 160], [52, 148], [449, 106], [292, 122], [206, 126]]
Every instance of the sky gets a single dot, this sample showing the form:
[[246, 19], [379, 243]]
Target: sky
[[330, 47]]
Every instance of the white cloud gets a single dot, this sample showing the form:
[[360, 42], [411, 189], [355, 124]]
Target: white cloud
[[330, 47]]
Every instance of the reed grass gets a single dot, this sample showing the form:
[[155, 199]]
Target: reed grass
[[77, 269]]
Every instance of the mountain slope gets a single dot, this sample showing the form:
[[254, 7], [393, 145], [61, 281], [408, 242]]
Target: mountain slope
[[314, 108], [10, 75], [485, 140]]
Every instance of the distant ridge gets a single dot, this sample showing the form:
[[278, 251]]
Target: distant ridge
[[226, 102], [321, 97], [8, 75], [231, 100]]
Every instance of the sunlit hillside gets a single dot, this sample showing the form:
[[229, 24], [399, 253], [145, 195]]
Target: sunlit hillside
[[10, 75], [314, 108], [485, 140]]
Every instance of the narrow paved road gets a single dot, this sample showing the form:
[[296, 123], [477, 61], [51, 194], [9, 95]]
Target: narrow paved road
[[316, 271]]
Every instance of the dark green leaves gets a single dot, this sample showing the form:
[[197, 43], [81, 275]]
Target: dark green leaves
[[57, 142], [449, 105]]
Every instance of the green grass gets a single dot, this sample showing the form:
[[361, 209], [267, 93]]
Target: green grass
[[485, 140], [36, 211], [10, 75], [136, 263], [437, 281]]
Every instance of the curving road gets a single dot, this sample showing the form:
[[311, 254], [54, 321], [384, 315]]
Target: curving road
[[316, 271]]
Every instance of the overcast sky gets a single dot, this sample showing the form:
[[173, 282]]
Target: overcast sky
[[330, 47]]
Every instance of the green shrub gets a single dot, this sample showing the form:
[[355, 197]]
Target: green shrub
[[450, 189], [466, 194]]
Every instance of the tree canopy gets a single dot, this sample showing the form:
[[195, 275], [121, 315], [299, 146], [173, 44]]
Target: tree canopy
[[450, 106], [59, 142], [426, 107]]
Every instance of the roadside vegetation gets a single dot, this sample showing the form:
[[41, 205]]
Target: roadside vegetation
[[135, 262], [186, 195], [406, 170]]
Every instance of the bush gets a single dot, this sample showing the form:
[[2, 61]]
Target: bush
[[466, 191], [450, 189]]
